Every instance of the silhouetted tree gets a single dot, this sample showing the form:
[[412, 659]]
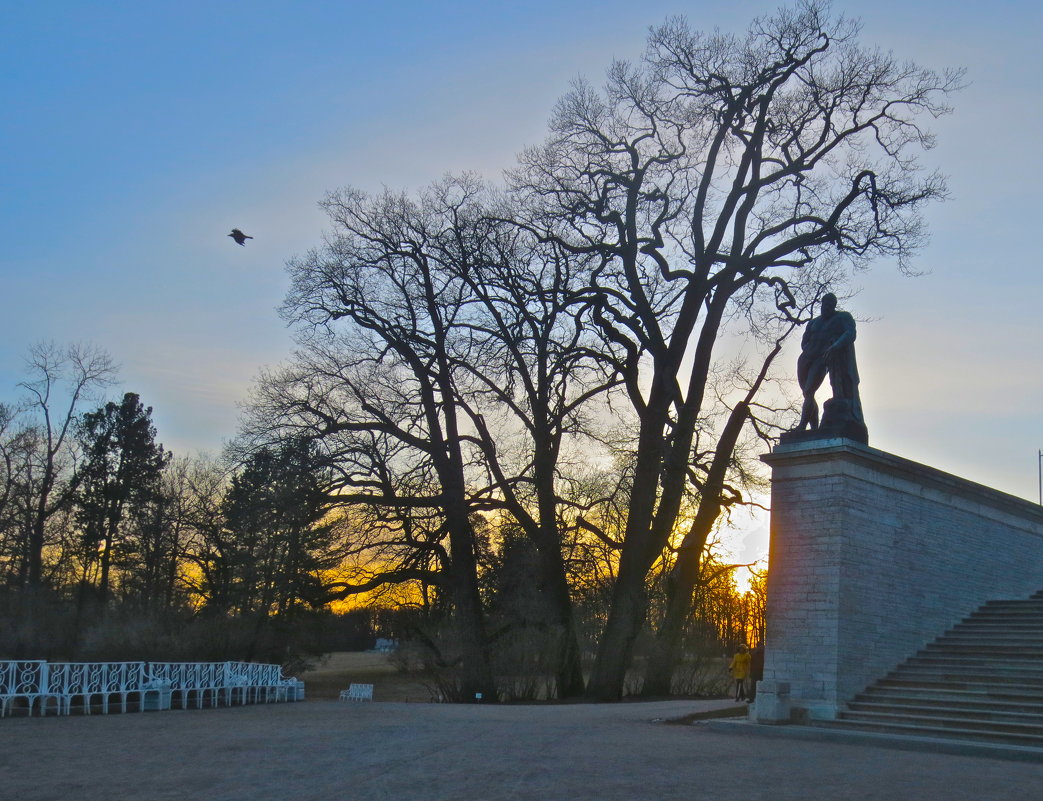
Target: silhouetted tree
[[119, 480], [722, 181], [446, 365], [278, 543], [59, 380], [9, 540]]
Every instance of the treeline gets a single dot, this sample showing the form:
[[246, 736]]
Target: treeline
[[113, 548], [106, 536]]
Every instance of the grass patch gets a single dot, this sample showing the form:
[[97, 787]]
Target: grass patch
[[337, 670]]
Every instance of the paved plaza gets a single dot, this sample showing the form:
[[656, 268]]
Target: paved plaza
[[335, 751]]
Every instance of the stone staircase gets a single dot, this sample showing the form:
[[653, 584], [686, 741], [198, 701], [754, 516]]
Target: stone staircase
[[982, 680]]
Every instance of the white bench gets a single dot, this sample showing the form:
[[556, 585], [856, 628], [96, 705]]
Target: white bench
[[357, 692], [36, 685]]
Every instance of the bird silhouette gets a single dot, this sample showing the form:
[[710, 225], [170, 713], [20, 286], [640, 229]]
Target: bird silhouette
[[239, 237]]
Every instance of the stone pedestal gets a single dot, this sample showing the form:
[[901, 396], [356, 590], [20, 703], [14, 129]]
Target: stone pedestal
[[772, 704], [872, 557]]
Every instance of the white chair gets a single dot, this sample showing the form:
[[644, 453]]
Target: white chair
[[25, 680], [357, 692]]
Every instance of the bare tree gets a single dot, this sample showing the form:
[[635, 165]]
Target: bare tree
[[157, 547], [10, 447], [384, 278], [201, 484], [720, 176], [541, 369], [60, 380], [463, 373]]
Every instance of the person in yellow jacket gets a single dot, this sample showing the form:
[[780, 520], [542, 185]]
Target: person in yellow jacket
[[740, 669]]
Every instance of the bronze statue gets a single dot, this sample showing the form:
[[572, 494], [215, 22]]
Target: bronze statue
[[828, 348]]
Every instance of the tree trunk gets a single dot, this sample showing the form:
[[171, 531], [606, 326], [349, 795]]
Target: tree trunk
[[34, 555], [103, 580], [476, 672], [569, 669], [630, 595], [627, 615], [685, 573], [666, 647], [554, 581]]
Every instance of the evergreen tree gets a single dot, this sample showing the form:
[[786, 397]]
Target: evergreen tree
[[119, 480], [277, 543]]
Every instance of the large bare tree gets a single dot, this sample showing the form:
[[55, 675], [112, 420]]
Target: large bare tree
[[380, 314], [461, 375], [722, 177]]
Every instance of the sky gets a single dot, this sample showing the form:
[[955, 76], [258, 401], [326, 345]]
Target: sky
[[135, 135]]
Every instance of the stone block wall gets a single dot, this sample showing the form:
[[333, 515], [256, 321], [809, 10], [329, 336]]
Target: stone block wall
[[873, 556]]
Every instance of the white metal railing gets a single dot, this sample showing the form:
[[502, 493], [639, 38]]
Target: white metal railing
[[36, 685], [95, 681]]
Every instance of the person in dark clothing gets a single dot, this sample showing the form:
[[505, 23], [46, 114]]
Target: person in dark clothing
[[756, 669]]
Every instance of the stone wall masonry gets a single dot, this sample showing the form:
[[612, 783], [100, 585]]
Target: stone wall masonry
[[873, 556]]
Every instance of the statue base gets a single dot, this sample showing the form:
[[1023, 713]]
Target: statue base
[[853, 431], [838, 422]]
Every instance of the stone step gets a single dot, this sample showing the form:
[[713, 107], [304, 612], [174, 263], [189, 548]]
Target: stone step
[[1035, 601], [977, 679], [1014, 623], [1027, 652], [1024, 655], [957, 692], [1003, 612], [1026, 693], [993, 660], [991, 637], [981, 680], [987, 645], [993, 727], [957, 684], [1031, 650], [927, 730], [1013, 613], [968, 669], [963, 681], [987, 653], [979, 629], [989, 634], [986, 714], [984, 627]]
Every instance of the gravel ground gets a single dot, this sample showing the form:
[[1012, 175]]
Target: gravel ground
[[332, 751]]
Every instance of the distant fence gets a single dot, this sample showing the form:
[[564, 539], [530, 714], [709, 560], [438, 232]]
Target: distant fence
[[36, 686]]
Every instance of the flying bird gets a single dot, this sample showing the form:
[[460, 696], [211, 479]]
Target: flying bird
[[239, 237]]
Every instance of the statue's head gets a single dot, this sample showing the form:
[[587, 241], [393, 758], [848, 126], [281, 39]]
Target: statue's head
[[829, 304]]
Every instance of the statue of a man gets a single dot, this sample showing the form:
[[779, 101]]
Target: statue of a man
[[828, 348]]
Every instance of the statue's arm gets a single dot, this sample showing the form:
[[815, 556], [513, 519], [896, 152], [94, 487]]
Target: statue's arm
[[847, 331]]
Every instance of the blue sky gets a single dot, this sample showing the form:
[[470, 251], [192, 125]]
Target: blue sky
[[136, 135]]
